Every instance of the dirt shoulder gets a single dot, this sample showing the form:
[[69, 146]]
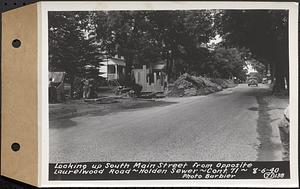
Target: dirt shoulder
[[107, 104], [270, 111], [74, 108]]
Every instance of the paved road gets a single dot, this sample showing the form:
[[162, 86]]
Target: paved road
[[229, 125]]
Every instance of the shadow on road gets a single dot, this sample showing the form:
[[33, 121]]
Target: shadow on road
[[62, 123], [61, 117]]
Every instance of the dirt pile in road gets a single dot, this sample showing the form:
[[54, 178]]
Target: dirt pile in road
[[187, 85]]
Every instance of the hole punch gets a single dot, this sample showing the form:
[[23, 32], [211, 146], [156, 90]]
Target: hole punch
[[16, 43], [15, 147]]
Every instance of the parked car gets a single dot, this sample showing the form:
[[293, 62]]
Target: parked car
[[253, 81]]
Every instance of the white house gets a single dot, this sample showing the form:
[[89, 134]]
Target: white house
[[112, 68]]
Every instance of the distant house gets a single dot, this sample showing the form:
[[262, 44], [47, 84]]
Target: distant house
[[112, 68]]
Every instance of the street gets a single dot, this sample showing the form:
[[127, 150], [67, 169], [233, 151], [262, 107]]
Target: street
[[235, 124]]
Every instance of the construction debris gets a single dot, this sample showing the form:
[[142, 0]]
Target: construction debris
[[187, 85]]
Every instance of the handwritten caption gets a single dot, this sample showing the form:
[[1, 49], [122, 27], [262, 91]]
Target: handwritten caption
[[168, 170]]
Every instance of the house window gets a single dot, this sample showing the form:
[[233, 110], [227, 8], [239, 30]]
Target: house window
[[111, 69]]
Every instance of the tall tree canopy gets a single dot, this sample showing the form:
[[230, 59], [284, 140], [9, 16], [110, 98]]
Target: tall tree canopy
[[264, 33], [228, 62], [78, 39], [149, 36], [70, 49]]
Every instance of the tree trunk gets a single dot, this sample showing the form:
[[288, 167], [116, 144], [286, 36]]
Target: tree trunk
[[279, 84], [287, 81], [287, 74], [172, 68], [72, 86], [128, 69], [168, 68], [272, 72]]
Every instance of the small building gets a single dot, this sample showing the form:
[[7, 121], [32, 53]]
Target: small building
[[112, 68], [152, 79]]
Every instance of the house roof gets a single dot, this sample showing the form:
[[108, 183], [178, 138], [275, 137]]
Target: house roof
[[159, 65], [56, 77], [113, 61]]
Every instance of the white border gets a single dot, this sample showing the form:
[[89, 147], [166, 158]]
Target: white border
[[44, 7]]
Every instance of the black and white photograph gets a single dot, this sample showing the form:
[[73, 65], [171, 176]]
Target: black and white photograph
[[154, 87]]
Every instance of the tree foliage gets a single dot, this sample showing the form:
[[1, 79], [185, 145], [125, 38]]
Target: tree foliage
[[180, 38], [70, 50], [228, 63], [145, 37], [264, 33]]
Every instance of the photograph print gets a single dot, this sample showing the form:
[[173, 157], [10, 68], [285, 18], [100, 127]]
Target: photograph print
[[147, 88]]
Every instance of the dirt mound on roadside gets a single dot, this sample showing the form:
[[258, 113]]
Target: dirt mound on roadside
[[187, 85]]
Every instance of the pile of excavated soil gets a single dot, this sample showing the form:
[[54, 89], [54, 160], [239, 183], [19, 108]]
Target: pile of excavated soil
[[187, 85]]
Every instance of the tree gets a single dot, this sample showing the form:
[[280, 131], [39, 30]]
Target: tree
[[264, 33], [150, 36], [227, 63], [258, 66], [70, 48], [181, 34]]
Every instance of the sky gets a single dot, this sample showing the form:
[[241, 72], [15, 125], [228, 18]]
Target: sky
[[217, 39]]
